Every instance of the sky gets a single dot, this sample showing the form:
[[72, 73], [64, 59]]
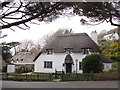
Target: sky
[[36, 32]]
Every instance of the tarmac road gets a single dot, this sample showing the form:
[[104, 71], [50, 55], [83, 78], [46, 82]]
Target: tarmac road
[[76, 84]]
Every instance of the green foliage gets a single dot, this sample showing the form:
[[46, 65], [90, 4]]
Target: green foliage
[[6, 54], [111, 71], [92, 63], [78, 77], [103, 44], [24, 69], [13, 45], [114, 58], [110, 49]]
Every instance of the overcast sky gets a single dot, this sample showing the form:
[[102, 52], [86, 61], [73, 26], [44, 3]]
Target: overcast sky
[[38, 31]]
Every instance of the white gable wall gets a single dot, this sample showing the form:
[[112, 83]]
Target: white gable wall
[[107, 66], [58, 60]]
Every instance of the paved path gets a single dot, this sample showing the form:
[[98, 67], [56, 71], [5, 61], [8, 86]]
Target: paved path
[[78, 84]]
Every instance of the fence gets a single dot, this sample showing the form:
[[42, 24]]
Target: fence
[[26, 77], [63, 77], [47, 77]]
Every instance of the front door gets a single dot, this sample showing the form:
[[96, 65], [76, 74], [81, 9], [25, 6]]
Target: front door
[[68, 67]]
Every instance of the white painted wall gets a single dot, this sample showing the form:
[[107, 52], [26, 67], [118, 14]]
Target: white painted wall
[[10, 68], [107, 66], [94, 37], [58, 59]]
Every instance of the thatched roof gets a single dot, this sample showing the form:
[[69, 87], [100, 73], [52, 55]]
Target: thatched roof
[[75, 41], [105, 59], [23, 57]]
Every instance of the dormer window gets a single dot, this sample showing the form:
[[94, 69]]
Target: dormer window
[[49, 51], [21, 59], [85, 50], [68, 50]]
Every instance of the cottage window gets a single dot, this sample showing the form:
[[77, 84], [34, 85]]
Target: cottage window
[[80, 65], [21, 59], [47, 64], [85, 51], [68, 50], [49, 51]]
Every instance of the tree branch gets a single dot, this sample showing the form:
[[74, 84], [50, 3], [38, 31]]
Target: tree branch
[[31, 18], [113, 23], [13, 11]]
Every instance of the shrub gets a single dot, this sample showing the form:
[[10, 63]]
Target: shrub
[[92, 63], [24, 69]]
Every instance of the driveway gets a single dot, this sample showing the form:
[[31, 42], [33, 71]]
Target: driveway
[[77, 84]]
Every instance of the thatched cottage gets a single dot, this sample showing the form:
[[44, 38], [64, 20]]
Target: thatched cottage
[[66, 52]]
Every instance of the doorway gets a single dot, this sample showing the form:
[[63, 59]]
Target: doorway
[[68, 63], [68, 68]]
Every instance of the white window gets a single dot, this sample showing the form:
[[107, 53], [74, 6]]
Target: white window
[[49, 51], [68, 50], [21, 59], [47, 64], [85, 51]]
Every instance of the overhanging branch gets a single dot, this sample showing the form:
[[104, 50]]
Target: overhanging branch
[[113, 23], [31, 18]]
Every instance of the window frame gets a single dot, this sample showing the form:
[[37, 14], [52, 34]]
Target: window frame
[[48, 64], [85, 51], [49, 51], [68, 50]]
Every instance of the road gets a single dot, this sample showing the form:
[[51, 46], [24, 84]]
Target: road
[[77, 84]]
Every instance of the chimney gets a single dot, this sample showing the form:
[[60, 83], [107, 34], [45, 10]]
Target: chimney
[[94, 36]]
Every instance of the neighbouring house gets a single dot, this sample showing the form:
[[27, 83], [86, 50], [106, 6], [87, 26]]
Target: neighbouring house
[[113, 36], [23, 58], [109, 35], [65, 53]]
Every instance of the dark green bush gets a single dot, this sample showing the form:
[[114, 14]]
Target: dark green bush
[[92, 63]]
